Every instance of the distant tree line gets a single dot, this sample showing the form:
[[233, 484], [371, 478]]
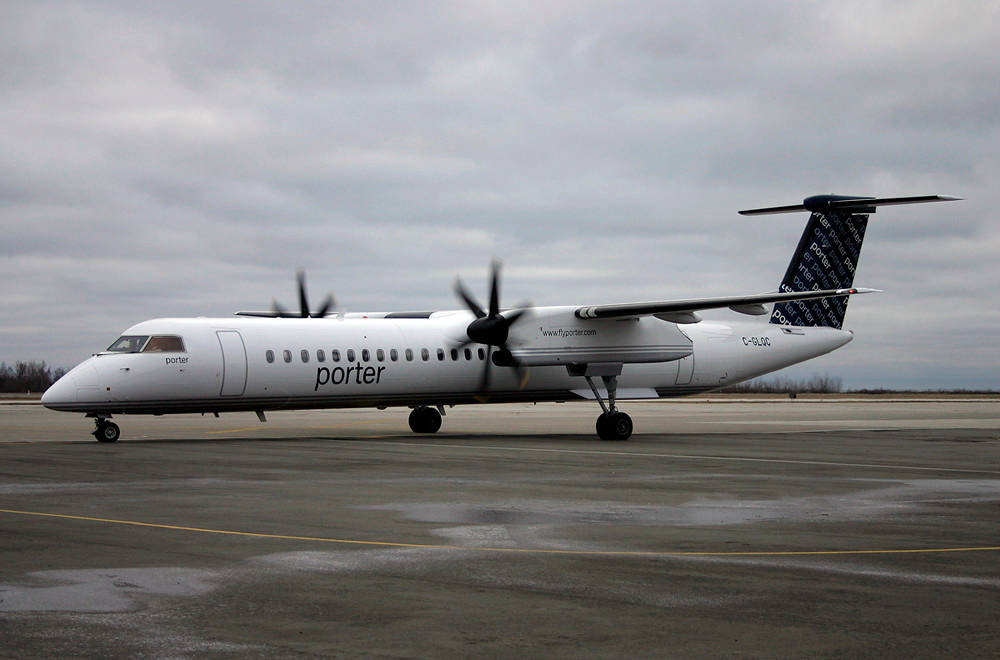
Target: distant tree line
[[827, 385], [27, 377], [778, 385]]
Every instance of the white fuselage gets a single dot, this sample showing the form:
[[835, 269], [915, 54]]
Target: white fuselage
[[224, 365]]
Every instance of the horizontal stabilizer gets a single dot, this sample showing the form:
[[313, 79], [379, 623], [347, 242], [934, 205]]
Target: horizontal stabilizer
[[854, 204]]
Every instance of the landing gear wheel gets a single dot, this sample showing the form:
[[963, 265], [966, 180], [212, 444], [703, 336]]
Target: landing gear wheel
[[602, 426], [107, 432], [614, 426], [425, 420]]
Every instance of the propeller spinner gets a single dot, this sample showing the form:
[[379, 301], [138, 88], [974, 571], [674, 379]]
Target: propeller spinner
[[492, 328]]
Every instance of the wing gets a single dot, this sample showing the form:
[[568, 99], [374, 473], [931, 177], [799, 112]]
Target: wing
[[683, 311]]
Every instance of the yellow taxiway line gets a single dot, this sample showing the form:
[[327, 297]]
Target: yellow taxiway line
[[545, 551]]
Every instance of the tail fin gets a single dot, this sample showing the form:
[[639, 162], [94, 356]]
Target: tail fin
[[827, 254]]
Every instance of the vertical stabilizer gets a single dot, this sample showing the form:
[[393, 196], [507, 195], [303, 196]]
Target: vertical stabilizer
[[826, 258], [827, 254]]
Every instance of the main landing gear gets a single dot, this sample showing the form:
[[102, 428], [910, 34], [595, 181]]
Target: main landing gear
[[612, 424], [425, 419], [106, 430]]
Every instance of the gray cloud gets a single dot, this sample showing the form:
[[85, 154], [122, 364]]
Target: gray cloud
[[183, 159]]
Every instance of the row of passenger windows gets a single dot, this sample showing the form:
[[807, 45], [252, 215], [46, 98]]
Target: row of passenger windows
[[379, 355]]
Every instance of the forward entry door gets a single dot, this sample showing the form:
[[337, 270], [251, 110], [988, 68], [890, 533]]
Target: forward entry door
[[234, 363]]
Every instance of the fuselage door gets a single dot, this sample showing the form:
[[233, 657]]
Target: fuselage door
[[234, 363]]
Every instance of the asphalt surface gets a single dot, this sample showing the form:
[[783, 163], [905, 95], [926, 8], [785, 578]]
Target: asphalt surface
[[722, 528]]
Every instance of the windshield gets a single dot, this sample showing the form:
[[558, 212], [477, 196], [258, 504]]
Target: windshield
[[128, 344], [147, 344], [164, 344]]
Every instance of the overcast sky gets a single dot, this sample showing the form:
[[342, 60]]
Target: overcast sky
[[183, 159]]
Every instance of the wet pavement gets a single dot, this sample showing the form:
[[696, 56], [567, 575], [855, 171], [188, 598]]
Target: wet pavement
[[783, 529]]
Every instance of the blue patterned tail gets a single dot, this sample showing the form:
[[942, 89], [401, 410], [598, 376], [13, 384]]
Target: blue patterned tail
[[828, 253], [826, 258]]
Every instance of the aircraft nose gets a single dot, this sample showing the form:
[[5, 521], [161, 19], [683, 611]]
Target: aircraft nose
[[81, 385], [60, 393]]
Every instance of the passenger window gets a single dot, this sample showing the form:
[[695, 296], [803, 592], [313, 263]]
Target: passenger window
[[441, 354], [454, 354], [425, 354], [468, 354], [393, 355], [164, 344], [350, 355], [287, 355], [482, 354], [365, 355], [304, 354], [320, 355], [380, 355], [269, 356], [335, 355], [409, 355]]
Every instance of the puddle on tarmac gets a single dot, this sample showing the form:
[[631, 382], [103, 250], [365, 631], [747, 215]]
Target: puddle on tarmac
[[101, 590], [859, 505]]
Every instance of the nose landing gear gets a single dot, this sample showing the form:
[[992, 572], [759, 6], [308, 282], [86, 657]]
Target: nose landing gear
[[106, 431]]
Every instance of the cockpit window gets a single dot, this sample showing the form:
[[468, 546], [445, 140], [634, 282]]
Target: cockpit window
[[128, 344], [164, 344]]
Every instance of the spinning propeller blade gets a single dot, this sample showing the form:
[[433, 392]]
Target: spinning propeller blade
[[300, 276], [492, 329], [279, 311]]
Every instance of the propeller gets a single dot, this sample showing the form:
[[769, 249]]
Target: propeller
[[492, 328], [280, 311]]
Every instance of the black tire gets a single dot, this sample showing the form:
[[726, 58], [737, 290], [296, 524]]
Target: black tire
[[415, 419], [602, 426], [620, 426], [433, 421], [107, 432], [425, 420], [614, 426]]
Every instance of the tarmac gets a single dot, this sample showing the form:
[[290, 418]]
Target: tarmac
[[725, 527]]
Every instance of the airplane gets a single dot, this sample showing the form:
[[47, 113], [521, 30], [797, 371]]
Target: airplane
[[278, 359]]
